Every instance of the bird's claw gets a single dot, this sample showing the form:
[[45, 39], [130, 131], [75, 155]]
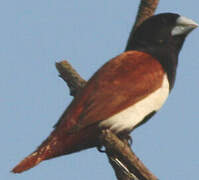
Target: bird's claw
[[99, 148]]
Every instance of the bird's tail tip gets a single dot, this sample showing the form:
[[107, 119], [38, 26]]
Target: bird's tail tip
[[29, 162]]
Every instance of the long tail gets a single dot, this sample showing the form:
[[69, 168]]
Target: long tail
[[56, 145]]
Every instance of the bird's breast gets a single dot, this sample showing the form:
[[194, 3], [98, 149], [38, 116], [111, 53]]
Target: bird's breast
[[128, 118]]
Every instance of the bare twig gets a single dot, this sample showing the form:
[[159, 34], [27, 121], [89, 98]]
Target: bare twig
[[74, 81], [117, 149], [146, 9]]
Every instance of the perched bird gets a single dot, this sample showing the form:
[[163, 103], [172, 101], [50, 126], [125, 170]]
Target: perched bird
[[123, 93]]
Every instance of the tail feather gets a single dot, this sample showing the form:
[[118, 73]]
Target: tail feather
[[44, 151], [56, 145], [29, 162]]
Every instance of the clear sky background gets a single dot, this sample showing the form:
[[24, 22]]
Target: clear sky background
[[36, 34]]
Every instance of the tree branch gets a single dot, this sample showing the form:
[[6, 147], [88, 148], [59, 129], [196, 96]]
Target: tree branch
[[74, 81], [146, 9], [121, 152], [123, 160]]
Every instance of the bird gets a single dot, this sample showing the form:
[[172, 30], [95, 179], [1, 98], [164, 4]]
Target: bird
[[123, 94]]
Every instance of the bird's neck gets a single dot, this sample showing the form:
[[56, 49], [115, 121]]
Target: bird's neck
[[168, 58], [169, 61]]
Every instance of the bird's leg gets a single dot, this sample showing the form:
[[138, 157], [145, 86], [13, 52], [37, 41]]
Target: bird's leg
[[100, 148], [126, 138], [129, 139]]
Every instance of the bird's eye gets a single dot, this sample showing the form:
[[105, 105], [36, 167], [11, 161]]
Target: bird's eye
[[164, 21], [160, 41]]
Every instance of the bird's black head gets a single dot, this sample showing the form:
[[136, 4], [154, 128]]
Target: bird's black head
[[162, 36], [162, 30]]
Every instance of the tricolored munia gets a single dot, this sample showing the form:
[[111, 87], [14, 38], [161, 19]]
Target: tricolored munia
[[123, 93]]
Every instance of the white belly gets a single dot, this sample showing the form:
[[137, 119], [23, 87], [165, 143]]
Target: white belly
[[127, 119]]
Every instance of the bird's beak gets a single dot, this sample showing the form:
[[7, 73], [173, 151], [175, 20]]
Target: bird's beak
[[183, 25]]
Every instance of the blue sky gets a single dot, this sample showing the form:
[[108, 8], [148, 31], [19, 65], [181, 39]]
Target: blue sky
[[36, 34]]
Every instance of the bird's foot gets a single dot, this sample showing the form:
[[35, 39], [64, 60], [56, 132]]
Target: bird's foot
[[127, 139], [101, 149]]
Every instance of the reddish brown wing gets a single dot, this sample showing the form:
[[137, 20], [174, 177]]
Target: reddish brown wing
[[121, 82]]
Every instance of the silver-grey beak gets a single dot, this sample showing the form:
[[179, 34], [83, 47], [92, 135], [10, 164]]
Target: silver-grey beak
[[184, 25]]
